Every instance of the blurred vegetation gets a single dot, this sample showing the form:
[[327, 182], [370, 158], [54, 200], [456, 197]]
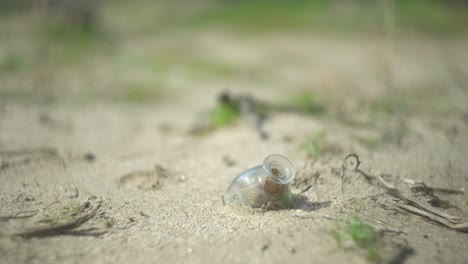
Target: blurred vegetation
[[389, 104], [307, 102], [143, 92], [314, 144], [371, 142], [317, 145], [224, 114], [363, 235], [13, 62], [429, 16], [48, 41], [433, 16]]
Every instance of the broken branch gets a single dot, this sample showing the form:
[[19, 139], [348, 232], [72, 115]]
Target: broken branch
[[58, 228], [377, 228], [396, 193], [414, 206], [460, 227], [22, 214]]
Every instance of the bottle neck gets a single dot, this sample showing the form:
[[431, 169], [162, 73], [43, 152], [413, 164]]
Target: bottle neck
[[279, 169]]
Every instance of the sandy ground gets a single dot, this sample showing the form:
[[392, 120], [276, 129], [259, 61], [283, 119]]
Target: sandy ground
[[161, 187]]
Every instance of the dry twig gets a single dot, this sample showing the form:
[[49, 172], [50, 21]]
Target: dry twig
[[355, 167], [424, 206], [377, 228], [420, 186], [46, 151], [414, 206], [312, 215], [58, 228], [22, 214], [435, 218]]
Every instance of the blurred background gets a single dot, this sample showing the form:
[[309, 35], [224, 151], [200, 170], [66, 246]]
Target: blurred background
[[386, 54], [100, 94]]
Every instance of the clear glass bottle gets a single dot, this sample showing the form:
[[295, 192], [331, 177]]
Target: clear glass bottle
[[266, 184]]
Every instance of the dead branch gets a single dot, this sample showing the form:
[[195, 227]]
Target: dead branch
[[460, 227], [22, 214], [429, 190], [424, 206], [58, 228], [420, 186], [46, 151], [312, 215], [19, 157], [414, 206], [305, 189], [377, 228], [383, 229], [355, 167]]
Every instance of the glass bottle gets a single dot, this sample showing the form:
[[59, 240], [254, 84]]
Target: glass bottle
[[262, 185]]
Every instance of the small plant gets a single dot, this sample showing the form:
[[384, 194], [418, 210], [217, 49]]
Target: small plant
[[65, 213], [389, 105], [71, 44], [109, 223], [314, 144], [370, 142], [307, 103], [363, 235], [336, 234], [72, 206], [72, 209], [13, 62], [143, 92], [224, 114], [357, 121], [317, 145], [395, 132]]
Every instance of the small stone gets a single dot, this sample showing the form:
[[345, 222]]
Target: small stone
[[89, 157], [183, 178], [72, 192], [287, 138], [228, 161]]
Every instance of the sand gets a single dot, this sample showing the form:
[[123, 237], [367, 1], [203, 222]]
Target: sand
[[161, 186]]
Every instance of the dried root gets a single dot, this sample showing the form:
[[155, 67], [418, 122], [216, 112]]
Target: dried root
[[351, 162], [57, 229]]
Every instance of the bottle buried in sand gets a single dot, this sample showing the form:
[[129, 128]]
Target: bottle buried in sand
[[266, 184]]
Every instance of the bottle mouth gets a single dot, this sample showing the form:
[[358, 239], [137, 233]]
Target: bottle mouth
[[279, 168]]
